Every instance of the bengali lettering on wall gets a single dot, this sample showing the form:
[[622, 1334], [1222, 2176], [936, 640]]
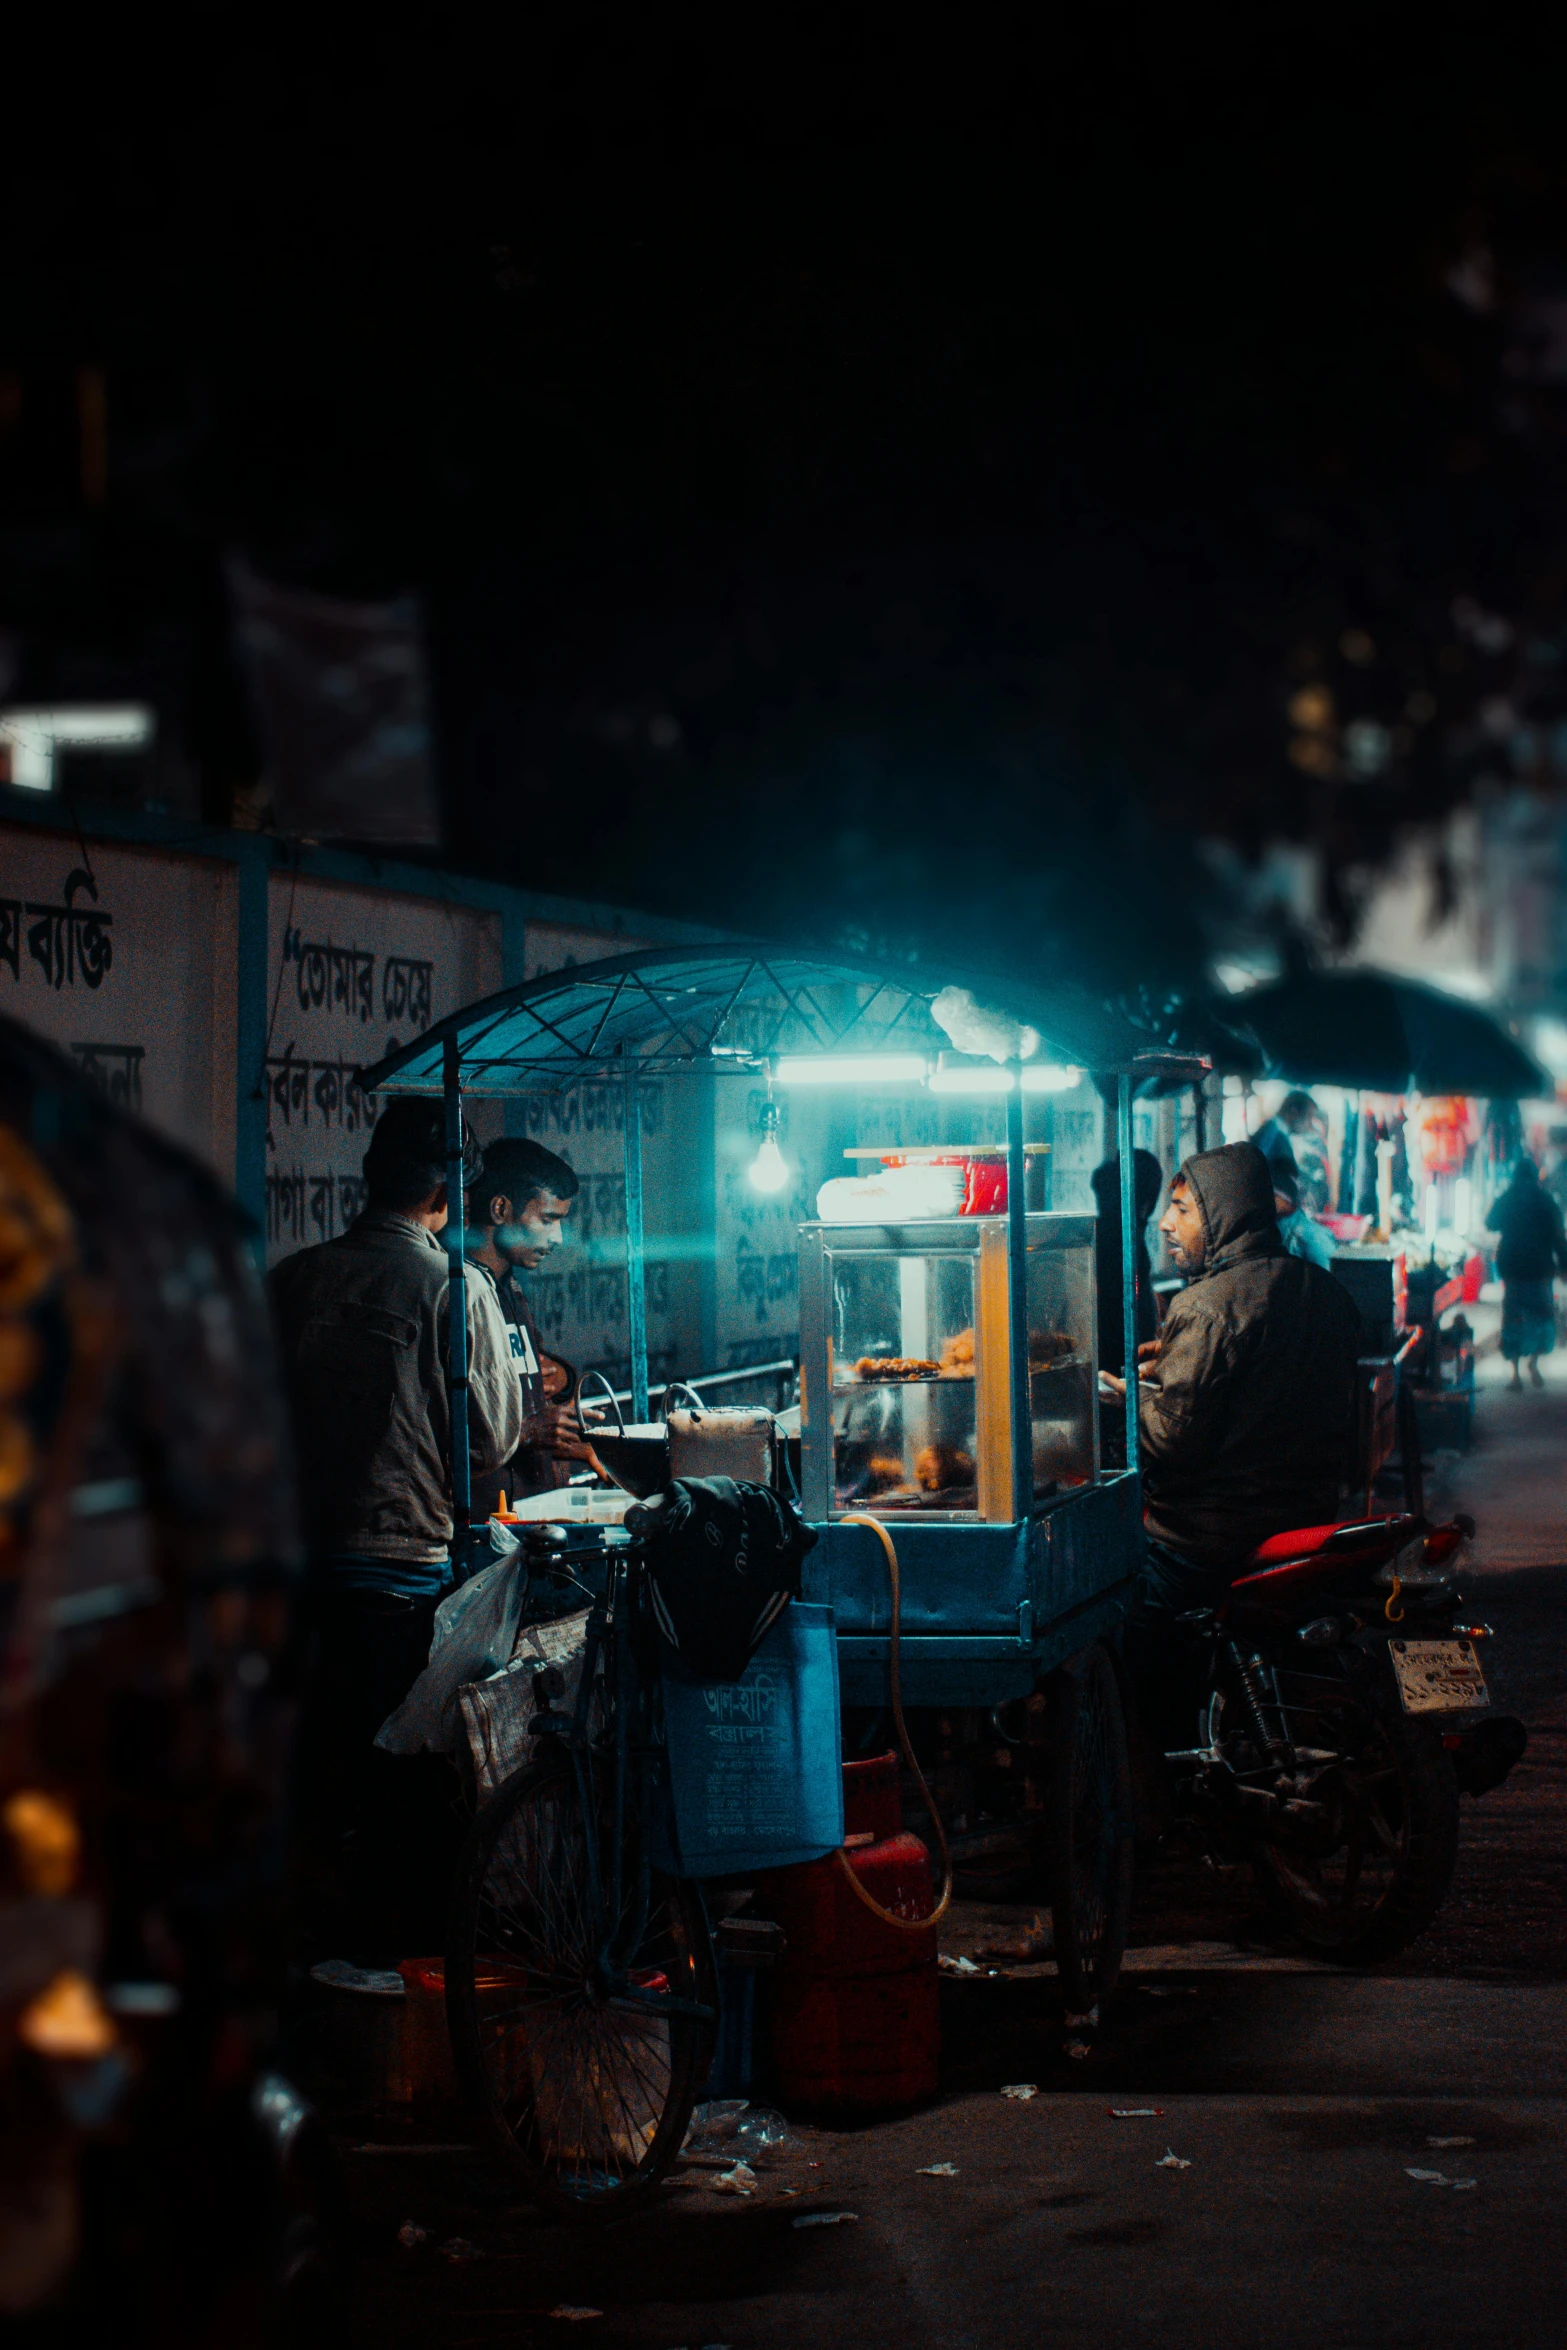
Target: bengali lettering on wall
[[756, 1240], [1078, 1144], [124, 957], [579, 1295], [354, 974]]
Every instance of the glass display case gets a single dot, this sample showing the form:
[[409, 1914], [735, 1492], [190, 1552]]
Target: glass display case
[[906, 1366]]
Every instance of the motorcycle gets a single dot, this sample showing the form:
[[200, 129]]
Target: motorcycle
[[1344, 1712]]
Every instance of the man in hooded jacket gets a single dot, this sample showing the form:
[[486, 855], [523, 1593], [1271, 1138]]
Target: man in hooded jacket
[[1247, 1408]]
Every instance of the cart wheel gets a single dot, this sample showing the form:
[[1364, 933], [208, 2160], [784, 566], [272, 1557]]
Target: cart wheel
[[587, 2095], [1089, 1828]]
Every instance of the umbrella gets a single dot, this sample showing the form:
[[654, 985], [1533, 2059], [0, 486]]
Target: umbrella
[[1369, 1029]]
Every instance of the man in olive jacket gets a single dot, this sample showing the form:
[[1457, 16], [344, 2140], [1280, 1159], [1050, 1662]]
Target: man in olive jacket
[[1247, 1405]]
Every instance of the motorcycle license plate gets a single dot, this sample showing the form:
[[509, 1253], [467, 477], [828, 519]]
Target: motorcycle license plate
[[1438, 1676]]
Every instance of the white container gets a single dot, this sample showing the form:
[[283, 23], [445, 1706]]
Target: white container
[[897, 1195]]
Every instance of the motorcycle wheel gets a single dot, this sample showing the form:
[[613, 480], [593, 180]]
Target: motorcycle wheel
[[1382, 1887], [1088, 1833]]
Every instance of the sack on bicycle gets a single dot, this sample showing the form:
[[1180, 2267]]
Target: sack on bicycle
[[723, 1563]]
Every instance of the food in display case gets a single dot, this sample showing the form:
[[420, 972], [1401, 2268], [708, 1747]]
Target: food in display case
[[893, 1402], [1063, 1377], [941, 1467], [908, 1325]]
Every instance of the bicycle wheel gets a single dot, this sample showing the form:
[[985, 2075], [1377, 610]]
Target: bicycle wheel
[[1089, 1829], [584, 2083]]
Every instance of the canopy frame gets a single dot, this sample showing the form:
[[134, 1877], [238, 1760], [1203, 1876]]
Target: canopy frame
[[609, 1020]]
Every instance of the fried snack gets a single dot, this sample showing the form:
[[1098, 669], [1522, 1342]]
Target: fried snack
[[937, 1467], [957, 1356], [883, 1472], [896, 1367]]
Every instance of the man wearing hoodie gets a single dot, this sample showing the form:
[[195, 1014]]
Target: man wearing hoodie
[[1247, 1405]]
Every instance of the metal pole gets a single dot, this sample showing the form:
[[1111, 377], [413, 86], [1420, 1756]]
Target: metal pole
[[1017, 1299], [636, 1272], [457, 1313], [1123, 1144]]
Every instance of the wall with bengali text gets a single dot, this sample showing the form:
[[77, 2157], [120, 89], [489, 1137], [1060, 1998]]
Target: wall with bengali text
[[352, 974], [126, 961]]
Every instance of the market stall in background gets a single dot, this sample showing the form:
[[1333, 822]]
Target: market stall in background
[[1405, 1112]]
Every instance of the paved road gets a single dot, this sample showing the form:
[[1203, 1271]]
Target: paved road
[[1299, 2099]]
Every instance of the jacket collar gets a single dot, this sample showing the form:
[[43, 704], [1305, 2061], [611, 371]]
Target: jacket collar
[[386, 1220]]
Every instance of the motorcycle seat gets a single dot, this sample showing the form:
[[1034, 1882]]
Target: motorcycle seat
[[1341, 1537]]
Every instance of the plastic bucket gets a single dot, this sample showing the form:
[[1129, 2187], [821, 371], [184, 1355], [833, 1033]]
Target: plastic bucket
[[755, 1777]]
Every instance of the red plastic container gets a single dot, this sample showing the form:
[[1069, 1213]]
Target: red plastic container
[[872, 1805], [831, 1932], [856, 2020], [857, 2041]]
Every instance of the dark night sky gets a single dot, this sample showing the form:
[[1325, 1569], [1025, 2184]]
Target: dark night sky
[[881, 485]]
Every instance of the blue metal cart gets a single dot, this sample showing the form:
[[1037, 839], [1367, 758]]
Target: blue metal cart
[[949, 1380]]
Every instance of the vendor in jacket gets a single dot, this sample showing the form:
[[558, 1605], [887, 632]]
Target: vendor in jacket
[[362, 1326], [1247, 1409], [518, 1212]]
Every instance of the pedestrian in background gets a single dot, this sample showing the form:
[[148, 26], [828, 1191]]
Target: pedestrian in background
[[1531, 1251], [1301, 1234]]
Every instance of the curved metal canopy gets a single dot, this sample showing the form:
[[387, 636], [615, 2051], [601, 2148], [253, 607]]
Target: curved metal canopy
[[679, 1008]]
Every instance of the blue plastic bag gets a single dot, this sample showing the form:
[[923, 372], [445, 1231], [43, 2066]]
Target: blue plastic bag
[[755, 1765]]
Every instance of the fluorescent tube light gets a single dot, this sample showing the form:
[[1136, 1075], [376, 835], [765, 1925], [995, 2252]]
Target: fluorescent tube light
[[1048, 1077], [851, 1069]]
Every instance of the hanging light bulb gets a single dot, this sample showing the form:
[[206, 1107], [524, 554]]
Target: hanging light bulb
[[769, 1170]]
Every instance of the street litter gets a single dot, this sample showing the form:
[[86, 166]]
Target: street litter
[[713, 2123], [1084, 2023], [571, 2312], [823, 2219], [739, 2181], [1167, 1990], [408, 2235], [1021, 2090], [759, 2129], [730, 2126], [937, 2170], [1437, 2178], [459, 2248], [1076, 2048], [1450, 2141], [959, 1966], [1036, 1942], [1169, 2160], [1136, 2113]]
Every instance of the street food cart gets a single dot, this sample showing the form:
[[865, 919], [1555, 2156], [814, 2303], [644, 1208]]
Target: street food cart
[[970, 1541]]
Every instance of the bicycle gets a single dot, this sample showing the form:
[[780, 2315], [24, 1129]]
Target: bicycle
[[581, 1984]]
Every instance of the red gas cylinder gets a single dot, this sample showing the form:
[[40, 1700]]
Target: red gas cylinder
[[856, 2015]]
